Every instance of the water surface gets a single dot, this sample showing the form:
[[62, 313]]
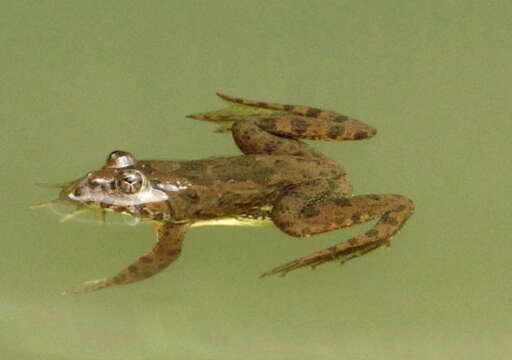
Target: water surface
[[80, 79]]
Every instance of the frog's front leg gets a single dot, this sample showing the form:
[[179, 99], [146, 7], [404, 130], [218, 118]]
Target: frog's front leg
[[310, 209], [166, 250]]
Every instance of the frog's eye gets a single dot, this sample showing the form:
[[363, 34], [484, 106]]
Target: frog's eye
[[119, 159], [130, 181]]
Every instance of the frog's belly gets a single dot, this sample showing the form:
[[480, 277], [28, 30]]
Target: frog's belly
[[233, 222], [261, 217]]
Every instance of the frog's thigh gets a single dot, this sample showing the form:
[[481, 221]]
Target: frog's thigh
[[251, 139], [299, 214], [166, 250], [309, 208]]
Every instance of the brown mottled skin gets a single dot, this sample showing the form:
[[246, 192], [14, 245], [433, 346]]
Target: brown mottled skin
[[279, 178]]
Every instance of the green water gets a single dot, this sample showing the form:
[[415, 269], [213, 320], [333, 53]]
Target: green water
[[79, 79]]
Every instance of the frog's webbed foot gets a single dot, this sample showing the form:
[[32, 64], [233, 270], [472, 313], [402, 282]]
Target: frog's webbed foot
[[319, 257], [236, 111], [224, 122], [167, 249], [333, 213], [88, 286], [338, 255]]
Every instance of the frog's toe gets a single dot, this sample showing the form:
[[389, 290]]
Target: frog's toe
[[312, 261], [225, 122], [340, 254], [198, 116], [213, 116], [89, 286], [283, 269]]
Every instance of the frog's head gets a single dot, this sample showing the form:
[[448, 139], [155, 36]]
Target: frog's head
[[118, 186]]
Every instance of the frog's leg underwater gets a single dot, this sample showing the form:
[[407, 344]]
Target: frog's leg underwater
[[321, 211], [166, 250]]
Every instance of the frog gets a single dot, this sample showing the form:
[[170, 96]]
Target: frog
[[278, 180]]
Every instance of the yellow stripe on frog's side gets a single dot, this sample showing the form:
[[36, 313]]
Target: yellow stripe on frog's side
[[233, 222]]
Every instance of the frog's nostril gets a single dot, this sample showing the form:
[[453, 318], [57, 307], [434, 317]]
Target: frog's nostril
[[77, 192]]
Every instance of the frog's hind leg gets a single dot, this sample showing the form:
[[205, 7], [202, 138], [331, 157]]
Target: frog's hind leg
[[301, 215], [167, 249], [292, 121]]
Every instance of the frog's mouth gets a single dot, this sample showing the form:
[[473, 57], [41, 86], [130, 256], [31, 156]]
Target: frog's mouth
[[79, 208]]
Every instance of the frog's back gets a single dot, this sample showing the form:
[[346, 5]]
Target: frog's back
[[264, 170], [228, 186]]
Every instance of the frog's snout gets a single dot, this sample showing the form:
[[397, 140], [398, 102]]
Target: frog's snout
[[91, 188]]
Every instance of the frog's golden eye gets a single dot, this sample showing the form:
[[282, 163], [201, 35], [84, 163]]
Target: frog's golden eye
[[130, 181]]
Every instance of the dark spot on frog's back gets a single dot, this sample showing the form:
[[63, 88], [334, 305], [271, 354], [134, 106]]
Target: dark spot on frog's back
[[360, 135], [389, 220], [340, 118], [146, 259], [372, 233], [266, 123], [310, 211], [356, 217], [335, 131], [342, 202], [313, 112], [271, 147], [194, 170], [299, 126]]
